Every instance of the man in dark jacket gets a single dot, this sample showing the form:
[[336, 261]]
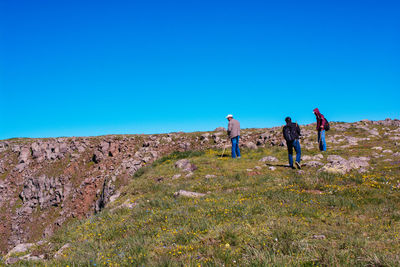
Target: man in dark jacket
[[291, 133], [321, 130]]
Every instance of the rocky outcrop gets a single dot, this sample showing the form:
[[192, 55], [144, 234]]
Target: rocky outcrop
[[44, 192], [46, 182], [337, 164]]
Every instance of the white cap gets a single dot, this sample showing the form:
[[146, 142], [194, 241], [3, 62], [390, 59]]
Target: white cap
[[229, 116]]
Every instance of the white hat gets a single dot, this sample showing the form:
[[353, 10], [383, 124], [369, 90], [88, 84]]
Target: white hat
[[229, 116]]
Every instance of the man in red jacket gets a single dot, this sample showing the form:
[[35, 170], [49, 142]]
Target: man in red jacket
[[320, 128]]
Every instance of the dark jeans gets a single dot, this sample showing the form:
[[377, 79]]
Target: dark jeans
[[296, 145], [235, 147]]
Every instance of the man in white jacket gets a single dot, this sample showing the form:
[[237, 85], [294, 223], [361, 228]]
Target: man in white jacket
[[234, 135]]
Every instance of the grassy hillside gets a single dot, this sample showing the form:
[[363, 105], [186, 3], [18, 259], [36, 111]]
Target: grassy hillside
[[250, 215]]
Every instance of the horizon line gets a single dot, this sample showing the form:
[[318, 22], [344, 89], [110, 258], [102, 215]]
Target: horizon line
[[159, 133]]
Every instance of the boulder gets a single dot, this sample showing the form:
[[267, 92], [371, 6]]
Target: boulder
[[216, 137], [104, 147], [24, 155], [20, 167], [318, 237], [11, 260], [313, 163], [337, 164], [38, 152], [30, 257], [128, 204], [131, 165], [176, 176], [220, 129], [269, 159], [314, 158], [61, 251], [184, 164], [188, 194], [250, 145], [318, 156], [20, 248], [335, 158], [204, 136], [114, 197], [166, 139], [185, 146], [189, 174], [97, 157], [113, 150], [3, 146]]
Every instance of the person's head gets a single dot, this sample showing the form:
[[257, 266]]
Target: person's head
[[229, 117], [288, 120]]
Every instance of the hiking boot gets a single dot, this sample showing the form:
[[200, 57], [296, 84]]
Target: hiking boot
[[298, 165]]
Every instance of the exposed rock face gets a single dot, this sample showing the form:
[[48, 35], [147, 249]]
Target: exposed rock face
[[3, 146], [24, 155], [44, 191]]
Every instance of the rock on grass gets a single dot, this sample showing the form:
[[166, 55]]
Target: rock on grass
[[184, 164], [188, 194], [337, 164], [269, 159]]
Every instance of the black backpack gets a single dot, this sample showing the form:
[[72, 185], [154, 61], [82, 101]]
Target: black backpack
[[326, 126], [289, 134]]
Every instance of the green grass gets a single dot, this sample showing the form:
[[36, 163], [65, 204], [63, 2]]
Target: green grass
[[256, 218]]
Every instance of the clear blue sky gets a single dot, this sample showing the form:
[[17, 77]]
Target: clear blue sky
[[74, 68]]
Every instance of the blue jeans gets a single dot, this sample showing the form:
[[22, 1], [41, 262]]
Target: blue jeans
[[235, 147], [296, 145], [321, 140]]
